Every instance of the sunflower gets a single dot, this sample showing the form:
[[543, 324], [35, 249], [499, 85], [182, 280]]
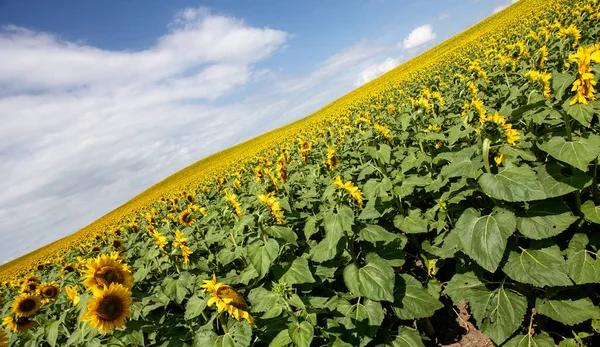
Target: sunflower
[[117, 244], [331, 158], [18, 324], [186, 218], [32, 278], [29, 287], [227, 299], [48, 292], [109, 308], [25, 305], [95, 249], [68, 268], [72, 294], [105, 270]]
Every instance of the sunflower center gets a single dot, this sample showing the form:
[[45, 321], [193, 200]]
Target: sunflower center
[[237, 300], [68, 268], [107, 275], [21, 321], [110, 308], [186, 217], [32, 286], [49, 292], [27, 305]]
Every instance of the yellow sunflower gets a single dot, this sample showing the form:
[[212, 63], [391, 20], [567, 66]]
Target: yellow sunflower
[[68, 268], [32, 278], [48, 292], [105, 270], [29, 287], [25, 305], [227, 299], [72, 294], [109, 308], [186, 218], [18, 324]]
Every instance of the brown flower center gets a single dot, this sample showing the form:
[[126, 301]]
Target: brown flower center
[[49, 292], [237, 300], [110, 308], [107, 275], [27, 305]]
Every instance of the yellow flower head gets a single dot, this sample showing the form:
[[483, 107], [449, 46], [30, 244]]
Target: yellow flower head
[[48, 292], [350, 188], [26, 305], [108, 308], [18, 324], [105, 270], [227, 299], [72, 294]]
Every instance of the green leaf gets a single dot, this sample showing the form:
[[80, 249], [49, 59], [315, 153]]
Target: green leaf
[[545, 219], [301, 334], [540, 340], [582, 265], [581, 113], [310, 227], [336, 223], [464, 165], [560, 83], [484, 237], [539, 267], [374, 281], [568, 311], [298, 273], [498, 313], [591, 212], [364, 319], [462, 286], [194, 307], [175, 289], [578, 153], [283, 233], [412, 301], [282, 339], [407, 337], [239, 335], [375, 233], [262, 300], [556, 182], [414, 223], [51, 332], [261, 256], [513, 183]]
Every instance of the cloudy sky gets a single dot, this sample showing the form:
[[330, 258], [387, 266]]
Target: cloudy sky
[[101, 99]]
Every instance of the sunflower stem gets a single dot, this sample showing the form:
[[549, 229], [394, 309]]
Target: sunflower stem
[[223, 322], [567, 122], [486, 154]]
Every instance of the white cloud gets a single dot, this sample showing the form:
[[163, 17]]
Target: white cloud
[[502, 7], [376, 70], [419, 36], [85, 129]]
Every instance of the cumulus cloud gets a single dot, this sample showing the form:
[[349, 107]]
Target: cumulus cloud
[[86, 129], [419, 36], [375, 70]]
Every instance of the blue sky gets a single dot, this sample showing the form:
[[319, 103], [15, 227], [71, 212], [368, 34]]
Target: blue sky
[[101, 99]]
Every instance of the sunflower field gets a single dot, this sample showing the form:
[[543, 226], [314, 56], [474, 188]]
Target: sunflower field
[[456, 194]]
